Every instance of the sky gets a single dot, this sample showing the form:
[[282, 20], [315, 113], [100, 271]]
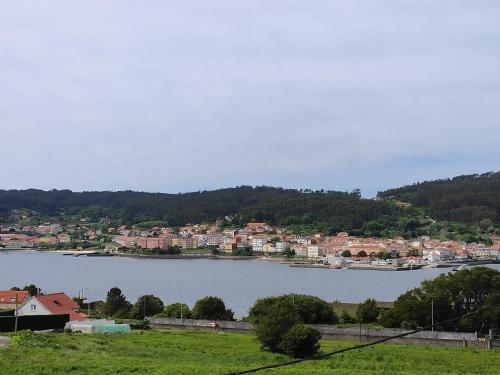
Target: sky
[[176, 96]]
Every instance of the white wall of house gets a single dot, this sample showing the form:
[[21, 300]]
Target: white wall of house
[[32, 307]]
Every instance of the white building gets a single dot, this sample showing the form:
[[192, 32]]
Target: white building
[[315, 251], [281, 247], [258, 243], [436, 255]]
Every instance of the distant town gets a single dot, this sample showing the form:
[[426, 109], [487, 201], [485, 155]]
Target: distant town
[[254, 239]]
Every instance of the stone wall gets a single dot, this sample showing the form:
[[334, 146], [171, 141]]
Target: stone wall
[[452, 339]]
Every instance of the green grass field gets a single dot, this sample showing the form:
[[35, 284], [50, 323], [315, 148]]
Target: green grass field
[[189, 352]]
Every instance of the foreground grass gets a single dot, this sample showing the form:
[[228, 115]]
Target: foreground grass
[[189, 352]]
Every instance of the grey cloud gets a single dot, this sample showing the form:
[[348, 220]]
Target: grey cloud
[[186, 95]]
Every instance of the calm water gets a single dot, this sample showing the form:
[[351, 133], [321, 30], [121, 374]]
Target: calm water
[[238, 282]]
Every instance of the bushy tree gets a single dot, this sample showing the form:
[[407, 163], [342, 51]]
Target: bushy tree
[[116, 301], [346, 318], [452, 295], [346, 254], [211, 308], [175, 310], [367, 311], [32, 289], [279, 329], [274, 322], [300, 341], [310, 309], [147, 305]]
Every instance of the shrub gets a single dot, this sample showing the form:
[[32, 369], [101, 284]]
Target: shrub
[[212, 308], [300, 341], [345, 318], [28, 339]]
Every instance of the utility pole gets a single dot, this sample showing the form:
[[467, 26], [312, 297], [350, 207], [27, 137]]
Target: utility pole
[[15, 323], [432, 315]]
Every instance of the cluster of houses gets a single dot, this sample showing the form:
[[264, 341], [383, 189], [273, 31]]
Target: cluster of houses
[[43, 304], [260, 238], [264, 239]]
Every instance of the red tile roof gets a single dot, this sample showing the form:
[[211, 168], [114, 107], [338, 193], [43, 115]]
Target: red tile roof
[[9, 296], [61, 303]]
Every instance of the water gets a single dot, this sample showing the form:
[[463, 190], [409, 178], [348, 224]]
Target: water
[[238, 282]]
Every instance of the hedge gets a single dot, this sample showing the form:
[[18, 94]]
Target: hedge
[[33, 322], [7, 312]]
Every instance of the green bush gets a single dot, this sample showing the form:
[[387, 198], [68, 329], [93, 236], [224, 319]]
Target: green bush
[[7, 312], [300, 341], [345, 318], [28, 339]]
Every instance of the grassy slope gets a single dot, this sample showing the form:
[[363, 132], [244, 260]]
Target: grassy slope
[[184, 352]]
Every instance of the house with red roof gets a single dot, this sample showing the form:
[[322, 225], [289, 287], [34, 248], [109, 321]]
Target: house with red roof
[[51, 304], [8, 298]]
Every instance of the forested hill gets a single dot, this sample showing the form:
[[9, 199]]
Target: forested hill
[[327, 210], [467, 199], [464, 207]]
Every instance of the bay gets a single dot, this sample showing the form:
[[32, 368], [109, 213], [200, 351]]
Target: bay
[[238, 282]]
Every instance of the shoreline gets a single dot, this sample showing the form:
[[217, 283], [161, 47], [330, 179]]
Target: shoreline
[[293, 263]]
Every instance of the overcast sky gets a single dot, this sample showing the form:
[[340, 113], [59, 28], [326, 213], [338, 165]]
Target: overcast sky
[[177, 96]]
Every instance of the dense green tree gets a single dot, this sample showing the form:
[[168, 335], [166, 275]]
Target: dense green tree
[[309, 309], [32, 289], [211, 308], [145, 306], [279, 329], [346, 318], [115, 301], [346, 254], [367, 311], [452, 296], [300, 341], [274, 322], [175, 310]]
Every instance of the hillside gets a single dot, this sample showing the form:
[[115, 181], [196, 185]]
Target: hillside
[[464, 208], [471, 199], [327, 210]]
